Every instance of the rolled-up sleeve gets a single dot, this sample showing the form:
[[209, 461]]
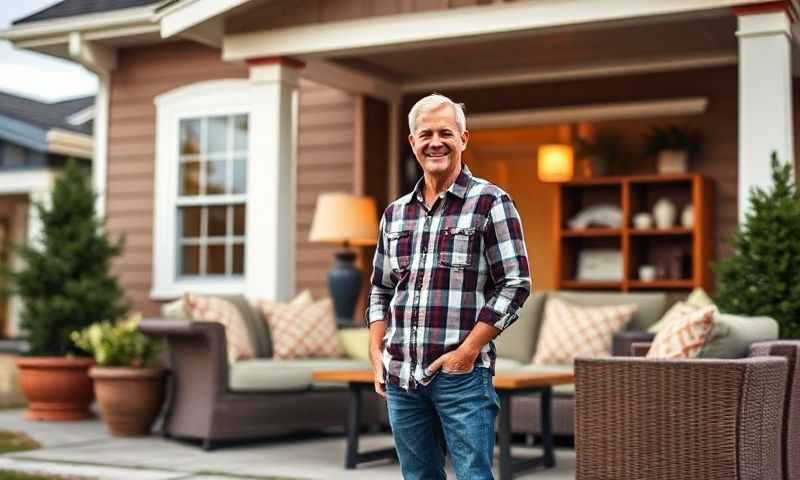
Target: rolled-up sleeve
[[504, 248], [381, 282]]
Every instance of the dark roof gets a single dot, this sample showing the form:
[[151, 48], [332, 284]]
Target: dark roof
[[45, 115], [68, 8]]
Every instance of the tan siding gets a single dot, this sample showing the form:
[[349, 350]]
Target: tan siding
[[143, 73], [325, 163]]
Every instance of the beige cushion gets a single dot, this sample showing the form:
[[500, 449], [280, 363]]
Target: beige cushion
[[570, 330], [506, 365], [287, 375], [684, 333], [519, 340], [175, 310], [699, 298], [732, 335], [214, 309], [302, 331], [650, 305], [355, 342], [568, 389]]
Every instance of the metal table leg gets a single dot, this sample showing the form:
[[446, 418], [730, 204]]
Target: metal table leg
[[509, 466], [353, 457]]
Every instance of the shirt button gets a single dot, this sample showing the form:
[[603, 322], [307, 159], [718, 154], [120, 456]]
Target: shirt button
[[424, 249]]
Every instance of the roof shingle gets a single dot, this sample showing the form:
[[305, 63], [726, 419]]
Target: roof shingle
[[69, 8], [45, 115]]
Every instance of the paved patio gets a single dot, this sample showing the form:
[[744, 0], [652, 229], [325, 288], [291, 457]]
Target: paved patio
[[84, 448]]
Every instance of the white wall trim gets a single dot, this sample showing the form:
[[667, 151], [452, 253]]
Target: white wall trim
[[216, 97], [397, 31], [595, 112], [576, 72], [69, 143], [26, 181]]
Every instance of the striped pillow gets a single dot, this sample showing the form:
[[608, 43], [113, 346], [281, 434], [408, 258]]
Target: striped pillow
[[684, 334], [570, 330], [302, 330], [214, 309]]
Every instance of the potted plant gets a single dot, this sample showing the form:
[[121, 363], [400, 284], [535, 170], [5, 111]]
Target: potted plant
[[64, 285], [602, 156], [673, 147], [760, 278], [128, 386]]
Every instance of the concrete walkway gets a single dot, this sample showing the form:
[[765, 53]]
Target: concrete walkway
[[85, 449]]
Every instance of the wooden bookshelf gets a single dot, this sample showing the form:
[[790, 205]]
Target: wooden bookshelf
[[683, 253]]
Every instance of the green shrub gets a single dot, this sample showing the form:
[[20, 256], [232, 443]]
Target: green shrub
[[118, 345]]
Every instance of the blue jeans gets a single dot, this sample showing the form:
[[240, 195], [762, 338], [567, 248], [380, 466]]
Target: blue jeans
[[455, 410]]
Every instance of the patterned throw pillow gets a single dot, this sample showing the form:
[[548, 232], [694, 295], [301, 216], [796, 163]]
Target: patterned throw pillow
[[684, 334], [570, 330], [679, 309], [302, 330], [214, 309]]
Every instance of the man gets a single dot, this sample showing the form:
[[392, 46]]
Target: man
[[449, 273]]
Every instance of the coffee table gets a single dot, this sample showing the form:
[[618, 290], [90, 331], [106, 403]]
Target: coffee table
[[507, 386]]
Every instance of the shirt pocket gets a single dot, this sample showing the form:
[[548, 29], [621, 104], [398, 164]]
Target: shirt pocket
[[399, 249], [459, 247]]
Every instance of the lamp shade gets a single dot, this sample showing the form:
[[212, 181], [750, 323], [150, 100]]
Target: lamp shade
[[555, 163], [342, 218]]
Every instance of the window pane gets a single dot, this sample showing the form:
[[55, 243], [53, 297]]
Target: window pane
[[238, 258], [215, 177], [217, 221], [238, 219], [190, 178], [240, 133], [190, 222], [190, 260], [240, 175], [218, 135], [216, 259], [190, 136]]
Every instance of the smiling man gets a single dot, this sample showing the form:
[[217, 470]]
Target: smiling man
[[449, 273]]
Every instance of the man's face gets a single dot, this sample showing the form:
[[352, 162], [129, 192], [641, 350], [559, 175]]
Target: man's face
[[438, 142]]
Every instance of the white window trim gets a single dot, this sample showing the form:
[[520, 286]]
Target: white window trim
[[209, 98]]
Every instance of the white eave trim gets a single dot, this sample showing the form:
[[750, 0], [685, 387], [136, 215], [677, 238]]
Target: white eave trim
[[69, 143], [62, 27], [586, 113], [82, 116], [392, 31], [183, 15]]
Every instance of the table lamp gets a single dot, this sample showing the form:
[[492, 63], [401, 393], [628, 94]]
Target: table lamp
[[346, 220], [555, 163]]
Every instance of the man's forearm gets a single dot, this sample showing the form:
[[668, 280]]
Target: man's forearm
[[377, 330], [481, 334]]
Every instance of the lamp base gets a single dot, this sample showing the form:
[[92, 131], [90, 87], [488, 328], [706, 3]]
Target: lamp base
[[344, 283]]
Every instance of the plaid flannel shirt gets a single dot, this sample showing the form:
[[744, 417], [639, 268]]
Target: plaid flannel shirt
[[437, 272]]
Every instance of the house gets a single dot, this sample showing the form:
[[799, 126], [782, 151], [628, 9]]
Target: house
[[218, 123], [36, 138]]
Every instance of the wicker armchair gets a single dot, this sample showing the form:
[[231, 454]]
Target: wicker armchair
[[679, 419]]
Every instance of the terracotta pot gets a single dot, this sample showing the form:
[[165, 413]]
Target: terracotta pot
[[129, 398], [56, 388]]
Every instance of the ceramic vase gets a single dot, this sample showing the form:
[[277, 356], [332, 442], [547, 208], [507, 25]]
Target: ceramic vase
[[664, 213], [687, 217]]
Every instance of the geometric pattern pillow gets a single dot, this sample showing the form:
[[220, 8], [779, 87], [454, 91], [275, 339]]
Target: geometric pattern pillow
[[214, 309], [570, 330], [684, 334], [302, 330], [679, 309]]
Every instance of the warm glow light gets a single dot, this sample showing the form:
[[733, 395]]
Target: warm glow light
[[555, 163], [343, 218]]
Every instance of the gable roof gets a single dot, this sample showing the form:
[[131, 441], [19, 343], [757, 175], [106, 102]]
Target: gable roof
[[69, 8], [45, 115]]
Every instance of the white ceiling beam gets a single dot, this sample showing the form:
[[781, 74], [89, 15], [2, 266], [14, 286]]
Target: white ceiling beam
[[588, 113], [349, 80], [97, 58], [395, 31], [187, 14]]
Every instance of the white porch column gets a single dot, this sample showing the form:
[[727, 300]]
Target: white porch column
[[765, 96], [272, 179]]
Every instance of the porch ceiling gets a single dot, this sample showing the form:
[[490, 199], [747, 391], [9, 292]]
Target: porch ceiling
[[594, 45]]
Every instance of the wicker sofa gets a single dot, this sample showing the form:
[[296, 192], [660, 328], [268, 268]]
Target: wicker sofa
[[730, 419]]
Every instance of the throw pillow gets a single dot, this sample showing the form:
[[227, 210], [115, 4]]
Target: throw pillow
[[302, 331], [175, 310], [678, 309], [214, 309], [699, 298], [355, 342], [684, 334], [570, 330]]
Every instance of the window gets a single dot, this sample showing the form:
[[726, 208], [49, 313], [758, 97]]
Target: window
[[211, 202], [201, 191]]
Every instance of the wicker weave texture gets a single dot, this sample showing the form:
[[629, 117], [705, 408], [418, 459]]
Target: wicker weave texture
[[640, 419]]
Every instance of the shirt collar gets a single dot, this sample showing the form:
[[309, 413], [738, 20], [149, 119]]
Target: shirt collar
[[458, 188]]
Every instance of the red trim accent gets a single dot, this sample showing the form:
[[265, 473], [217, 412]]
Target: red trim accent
[[776, 6], [285, 61]]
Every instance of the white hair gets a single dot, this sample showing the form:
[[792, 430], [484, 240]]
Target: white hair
[[432, 102]]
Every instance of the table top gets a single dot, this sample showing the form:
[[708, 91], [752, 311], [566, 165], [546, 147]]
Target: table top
[[502, 381]]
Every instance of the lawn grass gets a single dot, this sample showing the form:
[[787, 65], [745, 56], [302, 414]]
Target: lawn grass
[[16, 442], [12, 475]]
